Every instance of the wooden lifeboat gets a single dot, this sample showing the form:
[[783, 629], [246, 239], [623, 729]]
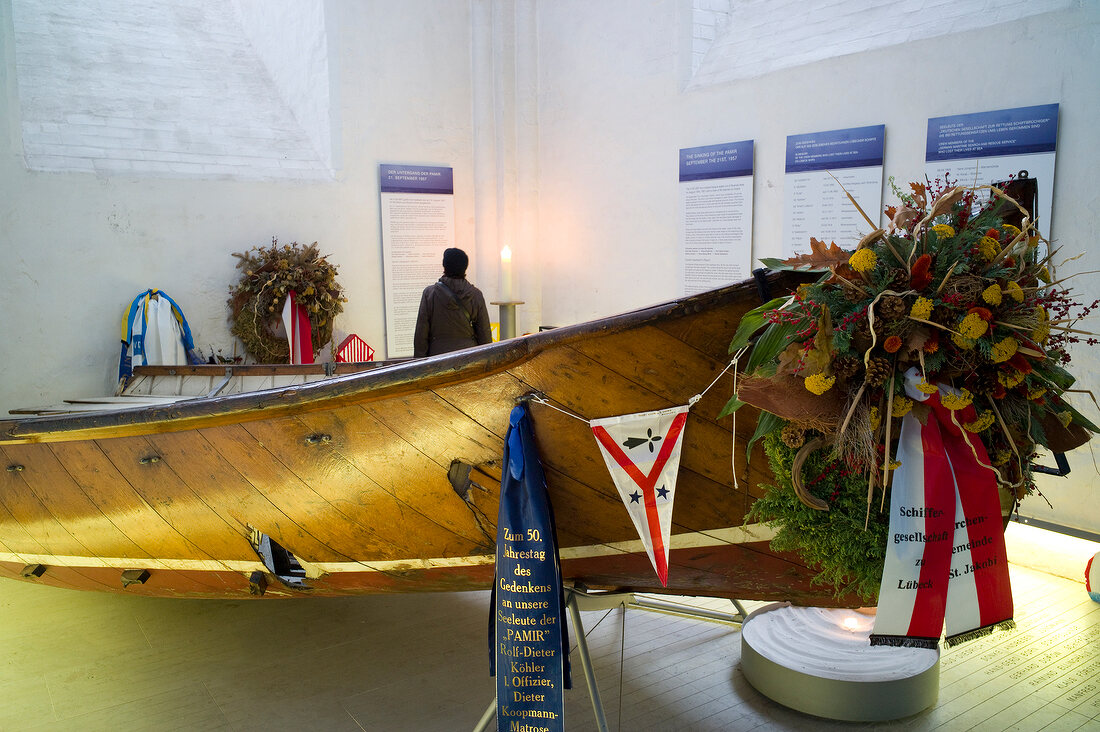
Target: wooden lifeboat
[[387, 479]]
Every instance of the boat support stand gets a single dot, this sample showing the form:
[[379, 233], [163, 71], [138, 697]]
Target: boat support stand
[[581, 598]]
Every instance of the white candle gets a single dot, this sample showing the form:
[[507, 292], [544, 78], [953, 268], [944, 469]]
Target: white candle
[[506, 273]]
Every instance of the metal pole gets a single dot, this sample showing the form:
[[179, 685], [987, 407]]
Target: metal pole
[[586, 664], [490, 714], [647, 603]]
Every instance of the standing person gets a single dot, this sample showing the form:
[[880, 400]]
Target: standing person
[[452, 311]]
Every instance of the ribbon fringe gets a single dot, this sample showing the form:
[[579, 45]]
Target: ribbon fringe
[[978, 633], [904, 641]]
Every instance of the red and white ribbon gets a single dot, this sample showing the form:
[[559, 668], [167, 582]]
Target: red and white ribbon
[[299, 334], [945, 556]]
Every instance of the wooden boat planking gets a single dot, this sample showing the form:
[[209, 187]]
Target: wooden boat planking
[[350, 473]]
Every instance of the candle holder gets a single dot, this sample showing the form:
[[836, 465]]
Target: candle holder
[[507, 317]]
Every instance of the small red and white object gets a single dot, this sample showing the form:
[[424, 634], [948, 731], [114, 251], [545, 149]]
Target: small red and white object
[[299, 333], [354, 349]]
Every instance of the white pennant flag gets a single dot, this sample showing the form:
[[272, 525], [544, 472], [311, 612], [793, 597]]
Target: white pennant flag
[[642, 452]]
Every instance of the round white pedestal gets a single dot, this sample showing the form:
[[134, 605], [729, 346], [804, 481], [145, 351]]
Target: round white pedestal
[[820, 661]]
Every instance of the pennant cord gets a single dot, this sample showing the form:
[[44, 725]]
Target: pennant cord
[[540, 399]]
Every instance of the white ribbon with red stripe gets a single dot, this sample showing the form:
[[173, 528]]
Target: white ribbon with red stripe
[[945, 557], [642, 453], [299, 333]]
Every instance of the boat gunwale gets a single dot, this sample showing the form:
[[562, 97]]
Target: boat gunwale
[[389, 381]]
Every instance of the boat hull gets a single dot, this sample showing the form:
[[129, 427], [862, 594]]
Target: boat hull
[[354, 475], [744, 571]]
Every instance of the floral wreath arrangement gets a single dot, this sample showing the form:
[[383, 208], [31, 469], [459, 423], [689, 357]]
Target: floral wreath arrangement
[[256, 301], [950, 289]]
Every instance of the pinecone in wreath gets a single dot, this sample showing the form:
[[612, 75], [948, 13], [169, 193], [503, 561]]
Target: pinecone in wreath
[[878, 371], [853, 293], [892, 307], [863, 328], [944, 314], [899, 279], [847, 367], [793, 436]]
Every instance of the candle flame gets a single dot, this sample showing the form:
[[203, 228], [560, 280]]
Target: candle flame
[[506, 254], [850, 624]]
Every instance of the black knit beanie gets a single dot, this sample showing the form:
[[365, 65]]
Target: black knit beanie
[[455, 262]]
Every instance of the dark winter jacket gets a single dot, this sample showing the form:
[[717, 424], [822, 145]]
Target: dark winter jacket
[[452, 316]]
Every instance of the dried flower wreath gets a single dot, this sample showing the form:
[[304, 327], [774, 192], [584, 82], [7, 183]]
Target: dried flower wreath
[[256, 301]]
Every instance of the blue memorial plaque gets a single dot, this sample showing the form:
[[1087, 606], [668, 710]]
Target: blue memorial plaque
[[727, 160], [855, 147], [416, 179], [529, 643], [1018, 131]]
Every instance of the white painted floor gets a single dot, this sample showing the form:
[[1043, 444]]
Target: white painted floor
[[83, 661]]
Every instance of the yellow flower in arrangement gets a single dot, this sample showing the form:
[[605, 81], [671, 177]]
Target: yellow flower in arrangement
[[992, 294], [1064, 417], [1036, 393], [1004, 349], [1015, 291], [902, 405], [1042, 330], [864, 260], [943, 231], [952, 401], [922, 308], [894, 465], [981, 423], [1011, 230], [1010, 379], [1043, 274], [819, 383], [875, 419], [964, 343], [988, 247], [927, 388], [1000, 457], [972, 326]]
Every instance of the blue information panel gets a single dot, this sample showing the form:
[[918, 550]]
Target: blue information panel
[[530, 647], [1016, 131], [823, 169], [855, 147], [990, 148], [729, 160], [416, 179], [715, 215], [418, 225]]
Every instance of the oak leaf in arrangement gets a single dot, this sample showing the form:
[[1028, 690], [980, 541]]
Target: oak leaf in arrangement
[[820, 258], [919, 194]]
